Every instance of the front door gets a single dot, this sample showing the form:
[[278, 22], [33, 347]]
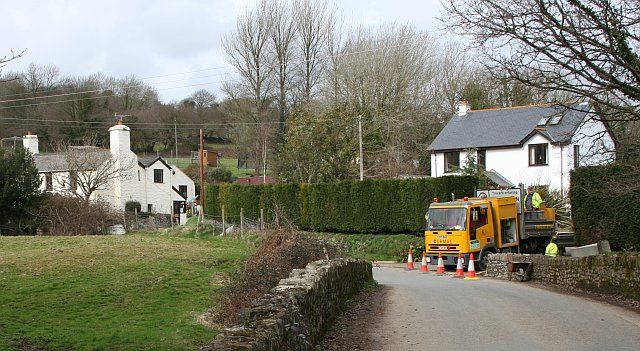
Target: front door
[[178, 208]]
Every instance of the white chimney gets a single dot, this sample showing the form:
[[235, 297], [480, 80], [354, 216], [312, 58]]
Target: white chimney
[[30, 142], [463, 107], [119, 139]]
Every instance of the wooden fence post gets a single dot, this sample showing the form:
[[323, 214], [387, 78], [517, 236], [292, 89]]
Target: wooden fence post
[[222, 220], [261, 219], [135, 211]]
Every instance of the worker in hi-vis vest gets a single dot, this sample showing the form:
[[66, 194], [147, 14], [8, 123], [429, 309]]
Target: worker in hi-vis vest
[[552, 248], [533, 200]]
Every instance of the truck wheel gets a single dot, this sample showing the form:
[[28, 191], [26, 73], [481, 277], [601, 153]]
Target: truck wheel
[[483, 262]]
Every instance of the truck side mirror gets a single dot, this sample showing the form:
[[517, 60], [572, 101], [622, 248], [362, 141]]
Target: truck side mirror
[[474, 215]]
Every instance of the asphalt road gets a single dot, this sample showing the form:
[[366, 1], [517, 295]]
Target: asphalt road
[[428, 312]]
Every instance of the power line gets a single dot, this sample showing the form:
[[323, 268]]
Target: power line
[[139, 85], [92, 124], [143, 78], [108, 122], [97, 97], [102, 90]]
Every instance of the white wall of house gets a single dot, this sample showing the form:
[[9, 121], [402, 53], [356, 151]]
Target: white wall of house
[[61, 185], [180, 178], [135, 183], [593, 142], [159, 195]]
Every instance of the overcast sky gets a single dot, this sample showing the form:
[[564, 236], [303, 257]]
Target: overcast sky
[[174, 45]]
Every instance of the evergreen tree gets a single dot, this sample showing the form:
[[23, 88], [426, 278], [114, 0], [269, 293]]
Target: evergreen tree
[[19, 185]]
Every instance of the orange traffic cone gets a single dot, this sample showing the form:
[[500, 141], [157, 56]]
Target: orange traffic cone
[[459, 270], [471, 271], [440, 270], [410, 260], [423, 267]]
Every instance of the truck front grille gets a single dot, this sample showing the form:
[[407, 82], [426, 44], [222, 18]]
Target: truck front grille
[[444, 247]]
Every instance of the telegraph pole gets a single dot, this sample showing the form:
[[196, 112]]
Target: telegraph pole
[[360, 142], [264, 161], [175, 135], [201, 161]]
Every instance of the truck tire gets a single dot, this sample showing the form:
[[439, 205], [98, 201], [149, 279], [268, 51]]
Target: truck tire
[[482, 262]]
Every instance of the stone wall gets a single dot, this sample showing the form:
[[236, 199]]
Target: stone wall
[[298, 311], [608, 274]]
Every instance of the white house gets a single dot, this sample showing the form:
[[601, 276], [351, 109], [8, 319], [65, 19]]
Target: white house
[[532, 145], [117, 174]]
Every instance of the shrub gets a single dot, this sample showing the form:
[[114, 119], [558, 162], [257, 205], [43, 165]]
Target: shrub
[[603, 205], [132, 206], [281, 251], [62, 215], [370, 206]]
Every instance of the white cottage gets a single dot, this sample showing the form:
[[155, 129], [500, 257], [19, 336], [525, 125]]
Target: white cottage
[[532, 145], [118, 174]]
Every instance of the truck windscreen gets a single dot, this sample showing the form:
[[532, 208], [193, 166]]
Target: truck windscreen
[[447, 219]]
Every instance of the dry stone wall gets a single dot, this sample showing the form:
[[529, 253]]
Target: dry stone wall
[[608, 274], [297, 312]]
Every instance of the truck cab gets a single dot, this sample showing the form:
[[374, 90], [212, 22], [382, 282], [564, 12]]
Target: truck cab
[[482, 226]]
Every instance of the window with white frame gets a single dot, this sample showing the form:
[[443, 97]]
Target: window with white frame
[[451, 161], [539, 154]]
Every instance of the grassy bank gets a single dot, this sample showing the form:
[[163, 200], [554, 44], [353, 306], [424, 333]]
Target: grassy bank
[[133, 292], [376, 247]]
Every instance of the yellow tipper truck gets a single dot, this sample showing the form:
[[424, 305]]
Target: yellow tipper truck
[[482, 226]]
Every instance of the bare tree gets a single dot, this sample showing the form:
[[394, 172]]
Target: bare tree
[[4, 60], [38, 79], [247, 49], [92, 169], [386, 75], [585, 48], [282, 35], [314, 19], [204, 99], [335, 44]]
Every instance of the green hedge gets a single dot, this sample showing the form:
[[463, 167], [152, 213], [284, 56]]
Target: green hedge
[[370, 206], [604, 203]]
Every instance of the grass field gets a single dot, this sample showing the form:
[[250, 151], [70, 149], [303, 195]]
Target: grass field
[[377, 247], [132, 292]]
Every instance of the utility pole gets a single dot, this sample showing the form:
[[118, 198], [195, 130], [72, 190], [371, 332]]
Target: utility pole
[[360, 142], [264, 161], [175, 135], [201, 161]]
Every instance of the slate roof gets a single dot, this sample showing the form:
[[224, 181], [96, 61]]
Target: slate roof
[[60, 162], [149, 160], [506, 127], [498, 179]]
